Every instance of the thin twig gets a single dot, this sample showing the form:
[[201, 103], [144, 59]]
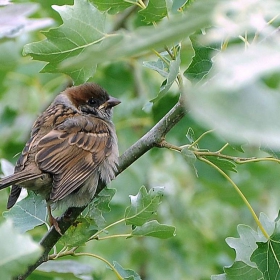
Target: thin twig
[[255, 217]]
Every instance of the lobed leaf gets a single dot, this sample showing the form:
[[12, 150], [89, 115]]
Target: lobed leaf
[[79, 233], [83, 42], [28, 213], [245, 245], [143, 206], [155, 11], [83, 26], [100, 205], [103, 199], [127, 274], [240, 270], [125, 43], [112, 6], [154, 229], [201, 62], [267, 255], [256, 258]]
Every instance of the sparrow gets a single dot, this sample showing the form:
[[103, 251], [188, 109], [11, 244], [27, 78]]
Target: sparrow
[[73, 145]]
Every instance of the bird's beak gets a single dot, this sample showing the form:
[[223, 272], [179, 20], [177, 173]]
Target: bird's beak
[[111, 102]]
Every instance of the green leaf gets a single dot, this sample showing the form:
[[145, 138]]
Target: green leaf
[[17, 251], [274, 153], [83, 26], [242, 271], [188, 155], [267, 255], [201, 62], [126, 43], [28, 213], [103, 199], [14, 20], [155, 11], [268, 225], [173, 71], [191, 135], [143, 206], [238, 148], [96, 215], [154, 229], [166, 67], [224, 164], [236, 101], [100, 205], [245, 245], [170, 71], [162, 64], [127, 274], [112, 6], [80, 270], [159, 65], [79, 232]]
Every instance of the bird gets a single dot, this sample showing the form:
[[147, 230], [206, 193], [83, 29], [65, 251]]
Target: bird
[[72, 145]]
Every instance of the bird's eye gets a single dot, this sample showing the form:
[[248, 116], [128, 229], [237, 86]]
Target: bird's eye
[[92, 102]]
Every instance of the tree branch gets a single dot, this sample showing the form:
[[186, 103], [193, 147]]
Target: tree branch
[[151, 139]]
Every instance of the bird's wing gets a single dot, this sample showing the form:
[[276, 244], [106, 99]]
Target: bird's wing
[[72, 151]]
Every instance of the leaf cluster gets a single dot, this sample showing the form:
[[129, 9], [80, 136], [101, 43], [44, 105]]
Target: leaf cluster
[[217, 60]]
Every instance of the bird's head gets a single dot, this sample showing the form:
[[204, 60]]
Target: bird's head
[[91, 99]]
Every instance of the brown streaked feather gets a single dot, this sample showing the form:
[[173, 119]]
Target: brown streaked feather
[[66, 185], [41, 127], [83, 142], [23, 159]]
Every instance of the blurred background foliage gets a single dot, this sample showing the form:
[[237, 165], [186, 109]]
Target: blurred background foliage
[[205, 209]]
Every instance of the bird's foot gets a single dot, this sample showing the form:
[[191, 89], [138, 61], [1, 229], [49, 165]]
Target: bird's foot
[[53, 221]]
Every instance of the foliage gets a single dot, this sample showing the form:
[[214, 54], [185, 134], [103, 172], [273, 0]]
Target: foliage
[[218, 166], [17, 251]]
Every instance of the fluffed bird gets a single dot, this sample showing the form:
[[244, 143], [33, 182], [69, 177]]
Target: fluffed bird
[[73, 145]]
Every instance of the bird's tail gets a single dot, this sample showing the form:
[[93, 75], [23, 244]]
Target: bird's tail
[[15, 179], [14, 195]]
